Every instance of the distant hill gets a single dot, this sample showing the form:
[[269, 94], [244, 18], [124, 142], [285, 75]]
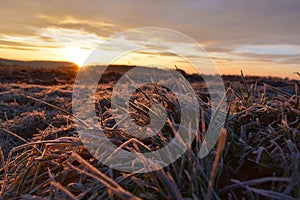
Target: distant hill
[[36, 64]]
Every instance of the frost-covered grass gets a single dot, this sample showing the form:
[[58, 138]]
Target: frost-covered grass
[[42, 156]]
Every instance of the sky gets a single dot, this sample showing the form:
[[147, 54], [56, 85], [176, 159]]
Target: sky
[[261, 37]]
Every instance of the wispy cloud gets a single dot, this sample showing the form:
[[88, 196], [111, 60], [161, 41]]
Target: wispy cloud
[[234, 32]]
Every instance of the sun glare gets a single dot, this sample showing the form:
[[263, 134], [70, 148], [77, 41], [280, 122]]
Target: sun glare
[[76, 55]]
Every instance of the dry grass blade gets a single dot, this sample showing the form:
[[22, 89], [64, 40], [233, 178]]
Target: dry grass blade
[[52, 190], [37, 169], [177, 135], [245, 84], [64, 190], [2, 157], [220, 148], [132, 140], [58, 142], [255, 182], [108, 182], [277, 90], [13, 134], [203, 126], [137, 87], [214, 126]]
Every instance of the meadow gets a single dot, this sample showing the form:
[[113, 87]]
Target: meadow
[[42, 157]]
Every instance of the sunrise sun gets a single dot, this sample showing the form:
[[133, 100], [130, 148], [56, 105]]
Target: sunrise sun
[[76, 55]]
